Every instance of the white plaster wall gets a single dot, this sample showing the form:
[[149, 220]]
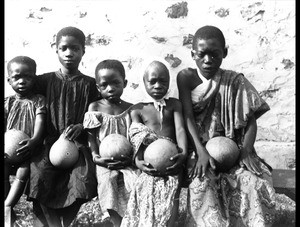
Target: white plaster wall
[[260, 36]]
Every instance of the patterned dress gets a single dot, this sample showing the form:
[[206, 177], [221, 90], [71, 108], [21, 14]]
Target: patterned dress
[[237, 197], [151, 201], [67, 100], [114, 186]]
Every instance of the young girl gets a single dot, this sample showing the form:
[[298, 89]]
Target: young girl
[[220, 102], [57, 194], [24, 111], [106, 116], [155, 198]]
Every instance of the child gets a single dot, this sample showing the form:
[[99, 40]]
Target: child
[[24, 111], [220, 102], [155, 198], [57, 194], [107, 116]]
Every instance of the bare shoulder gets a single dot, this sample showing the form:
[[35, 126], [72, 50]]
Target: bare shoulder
[[136, 108], [186, 77], [95, 106], [187, 73], [174, 102], [126, 105]]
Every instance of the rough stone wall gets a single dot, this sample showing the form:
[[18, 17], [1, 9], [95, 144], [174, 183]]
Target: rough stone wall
[[260, 36]]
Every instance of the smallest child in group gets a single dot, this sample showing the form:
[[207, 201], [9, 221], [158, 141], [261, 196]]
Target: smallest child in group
[[23, 111], [155, 198], [104, 117]]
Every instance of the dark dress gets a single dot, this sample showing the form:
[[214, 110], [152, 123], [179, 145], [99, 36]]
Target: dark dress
[[67, 100]]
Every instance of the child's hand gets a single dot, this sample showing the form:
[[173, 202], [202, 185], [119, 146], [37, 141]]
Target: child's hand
[[202, 164], [73, 131], [110, 163], [25, 150], [147, 168], [249, 161], [178, 165]]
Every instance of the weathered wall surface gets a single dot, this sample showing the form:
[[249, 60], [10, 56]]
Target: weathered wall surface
[[260, 36]]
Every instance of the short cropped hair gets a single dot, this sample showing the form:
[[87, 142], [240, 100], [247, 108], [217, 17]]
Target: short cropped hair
[[158, 65], [22, 60], [111, 64], [71, 31], [209, 32]]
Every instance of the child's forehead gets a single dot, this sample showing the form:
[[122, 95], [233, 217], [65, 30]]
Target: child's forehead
[[19, 66], [69, 40], [210, 42], [107, 73]]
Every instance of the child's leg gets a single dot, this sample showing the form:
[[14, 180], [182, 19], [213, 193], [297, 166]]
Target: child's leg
[[39, 219], [69, 213], [18, 186], [115, 217], [7, 169], [51, 216]]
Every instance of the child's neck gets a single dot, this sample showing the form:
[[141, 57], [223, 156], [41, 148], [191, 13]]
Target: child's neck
[[24, 96], [66, 71], [113, 103], [113, 108]]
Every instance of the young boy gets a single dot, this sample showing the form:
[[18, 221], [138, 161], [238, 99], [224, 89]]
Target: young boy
[[110, 115], [154, 200], [24, 111], [57, 194], [218, 102]]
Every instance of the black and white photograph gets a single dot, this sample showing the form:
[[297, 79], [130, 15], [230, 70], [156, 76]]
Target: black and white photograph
[[149, 113]]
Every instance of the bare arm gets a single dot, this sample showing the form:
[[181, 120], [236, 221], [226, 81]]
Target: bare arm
[[30, 144], [181, 139], [247, 156], [204, 159], [139, 158]]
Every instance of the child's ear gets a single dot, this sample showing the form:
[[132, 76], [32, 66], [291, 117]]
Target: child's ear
[[225, 51], [98, 88], [125, 83]]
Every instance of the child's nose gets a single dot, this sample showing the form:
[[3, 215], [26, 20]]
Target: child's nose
[[22, 80], [69, 52], [111, 88], [207, 58]]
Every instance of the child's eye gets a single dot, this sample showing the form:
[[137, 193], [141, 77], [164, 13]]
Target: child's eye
[[103, 85], [75, 48], [63, 48]]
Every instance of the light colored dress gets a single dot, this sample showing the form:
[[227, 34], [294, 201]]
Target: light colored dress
[[237, 197], [114, 186], [20, 113], [151, 201]]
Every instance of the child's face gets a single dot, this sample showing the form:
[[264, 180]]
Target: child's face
[[208, 55], [70, 52], [110, 84], [21, 78], [156, 83]]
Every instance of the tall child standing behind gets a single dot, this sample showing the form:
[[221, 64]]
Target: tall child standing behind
[[57, 194], [110, 115], [155, 198], [26, 112]]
